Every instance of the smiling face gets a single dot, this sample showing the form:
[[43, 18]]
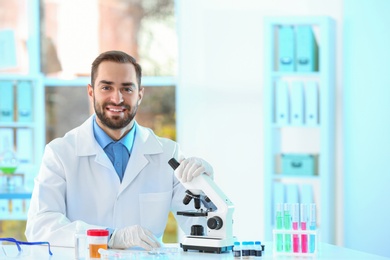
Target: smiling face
[[115, 96]]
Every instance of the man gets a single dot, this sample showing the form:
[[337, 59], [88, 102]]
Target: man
[[110, 172]]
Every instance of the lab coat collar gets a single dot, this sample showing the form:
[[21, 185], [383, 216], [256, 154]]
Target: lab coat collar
[[145, 143], [86, 144]]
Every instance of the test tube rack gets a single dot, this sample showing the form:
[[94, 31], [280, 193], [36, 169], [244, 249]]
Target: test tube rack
[[282, 238]]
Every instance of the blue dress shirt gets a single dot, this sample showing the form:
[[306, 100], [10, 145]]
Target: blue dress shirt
[[118, 151]]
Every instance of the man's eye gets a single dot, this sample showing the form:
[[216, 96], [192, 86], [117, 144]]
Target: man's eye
[[129, 90], [106, 87]]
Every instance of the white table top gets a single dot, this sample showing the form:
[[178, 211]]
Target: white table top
[[326, 251]]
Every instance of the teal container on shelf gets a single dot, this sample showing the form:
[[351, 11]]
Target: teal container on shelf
[[299, 164]]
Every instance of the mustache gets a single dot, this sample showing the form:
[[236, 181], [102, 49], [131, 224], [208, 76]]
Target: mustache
[[113, 104]]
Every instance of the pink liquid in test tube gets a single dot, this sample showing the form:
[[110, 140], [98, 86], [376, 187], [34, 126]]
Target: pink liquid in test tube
[[295, 223], [304, 244]]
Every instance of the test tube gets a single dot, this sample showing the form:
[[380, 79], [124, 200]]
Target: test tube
[[295, 224], [303, 227], [279, 226], [312, 226], [287, 226]]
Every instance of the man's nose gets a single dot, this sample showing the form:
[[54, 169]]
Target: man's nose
[[117, 97]]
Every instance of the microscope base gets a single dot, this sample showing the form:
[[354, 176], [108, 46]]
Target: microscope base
[[207, 245]]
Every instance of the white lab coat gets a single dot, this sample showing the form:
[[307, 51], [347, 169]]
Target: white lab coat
[[77, 187]]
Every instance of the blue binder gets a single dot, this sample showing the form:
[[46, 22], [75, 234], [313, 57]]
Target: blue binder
[[24, 99], [6, 101], [286, 48], [306, 50]]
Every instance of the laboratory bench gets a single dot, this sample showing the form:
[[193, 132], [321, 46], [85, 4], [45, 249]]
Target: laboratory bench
[[326, 251]]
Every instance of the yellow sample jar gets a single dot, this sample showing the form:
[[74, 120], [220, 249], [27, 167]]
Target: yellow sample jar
[[97, 238]]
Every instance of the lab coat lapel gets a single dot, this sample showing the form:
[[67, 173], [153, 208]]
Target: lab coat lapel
[[145, 143], [102, 159], [88, 146]]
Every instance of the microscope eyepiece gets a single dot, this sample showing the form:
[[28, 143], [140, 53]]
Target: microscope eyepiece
[[173, 163], [187, 199], [197, 203]]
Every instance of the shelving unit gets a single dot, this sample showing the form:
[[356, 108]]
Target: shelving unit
[[32, 145], [296, 132], [29, 147]]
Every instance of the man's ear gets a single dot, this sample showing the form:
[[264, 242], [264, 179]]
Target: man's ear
[[140, 95], [90, 90]]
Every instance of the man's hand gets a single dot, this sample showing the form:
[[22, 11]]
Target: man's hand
[[133, 236], [192, 167]]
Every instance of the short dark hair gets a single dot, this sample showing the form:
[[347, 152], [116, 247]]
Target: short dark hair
[[119, 57]]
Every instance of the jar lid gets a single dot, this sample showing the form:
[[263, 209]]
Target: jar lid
[[97, 232]]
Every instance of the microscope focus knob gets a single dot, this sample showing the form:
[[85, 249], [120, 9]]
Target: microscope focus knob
[[215, 223]]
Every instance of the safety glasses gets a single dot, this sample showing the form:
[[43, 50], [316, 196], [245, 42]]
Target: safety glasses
[[11, 252]]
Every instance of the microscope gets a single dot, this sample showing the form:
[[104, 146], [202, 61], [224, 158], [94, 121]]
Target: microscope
[[219, 236]]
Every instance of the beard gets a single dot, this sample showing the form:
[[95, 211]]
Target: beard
[[115, 122]]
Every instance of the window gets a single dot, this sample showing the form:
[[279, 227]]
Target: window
[[75, 32], [72, 33]]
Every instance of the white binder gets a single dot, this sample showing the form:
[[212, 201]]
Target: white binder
[[307, 194], [282, 103], [17, 207], [292, 193], [24, 145], [311, 103], [297, 103], [6, 139], [4, 208]]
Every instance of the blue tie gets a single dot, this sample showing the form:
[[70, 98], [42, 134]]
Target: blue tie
[[119, 156]]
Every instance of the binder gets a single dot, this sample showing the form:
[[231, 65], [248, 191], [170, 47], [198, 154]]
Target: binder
[[27, 204], [24, 145], [24, 99], [4, 207], [311, 104], [292, 193], [286, 48], [306, 194], [282, 103], [306, 50], [6, 101], [17, 207], [6, 139], [297, 103], [279, 196], [7, 49]]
